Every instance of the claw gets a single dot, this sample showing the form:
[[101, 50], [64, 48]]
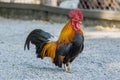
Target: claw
[[67, 69]]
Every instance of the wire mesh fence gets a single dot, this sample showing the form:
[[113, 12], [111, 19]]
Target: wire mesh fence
[[100, 4]]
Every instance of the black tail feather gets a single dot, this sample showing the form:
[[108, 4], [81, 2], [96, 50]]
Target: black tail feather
[[37, 37]]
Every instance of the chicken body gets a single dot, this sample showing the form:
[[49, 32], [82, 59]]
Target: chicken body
[[63, 51], [69, 52]]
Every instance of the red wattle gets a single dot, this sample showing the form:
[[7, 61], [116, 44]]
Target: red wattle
[[76, 25]]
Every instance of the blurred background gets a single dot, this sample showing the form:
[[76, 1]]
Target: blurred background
[[96, 12], [82, 4], [100, 59]]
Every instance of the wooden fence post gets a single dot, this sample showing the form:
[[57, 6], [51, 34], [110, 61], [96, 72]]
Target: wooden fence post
[[54, 3]]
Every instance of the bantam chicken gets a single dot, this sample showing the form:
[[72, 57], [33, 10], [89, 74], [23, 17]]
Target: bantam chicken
[[68, 46]]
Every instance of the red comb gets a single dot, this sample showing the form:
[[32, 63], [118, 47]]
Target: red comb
[[76, 13]]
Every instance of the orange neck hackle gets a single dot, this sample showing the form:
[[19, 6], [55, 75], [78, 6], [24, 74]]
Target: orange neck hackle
[[68, 33]]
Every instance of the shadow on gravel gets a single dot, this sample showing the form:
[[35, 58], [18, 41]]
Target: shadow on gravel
[[44, 68]]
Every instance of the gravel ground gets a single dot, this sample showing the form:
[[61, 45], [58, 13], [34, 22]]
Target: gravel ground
[[100, 59]]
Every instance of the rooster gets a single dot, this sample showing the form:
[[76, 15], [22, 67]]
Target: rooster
[[64, 50]]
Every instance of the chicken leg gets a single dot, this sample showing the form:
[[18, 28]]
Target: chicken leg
[[67, 68]]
